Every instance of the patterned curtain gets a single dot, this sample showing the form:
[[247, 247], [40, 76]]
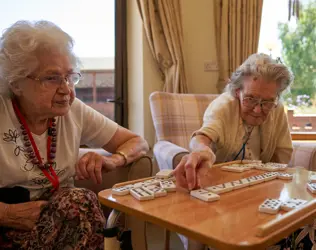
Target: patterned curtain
[[238, 26], [163, 28]]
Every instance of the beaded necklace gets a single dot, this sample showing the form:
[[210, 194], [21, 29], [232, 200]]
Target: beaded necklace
[[32, 150]]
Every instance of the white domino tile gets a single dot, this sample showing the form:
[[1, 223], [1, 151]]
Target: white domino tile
[[123, 190], [253, 180], [165, 173], [204, 195], [168, 185], [141, 194], [270, 206], [269, 176], [236, 169], [292, 204], [157, 191], [221, 188], [285, 176]]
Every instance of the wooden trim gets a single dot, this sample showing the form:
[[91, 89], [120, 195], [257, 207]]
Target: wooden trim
[[121, 115], [90, 71], [303, 136]]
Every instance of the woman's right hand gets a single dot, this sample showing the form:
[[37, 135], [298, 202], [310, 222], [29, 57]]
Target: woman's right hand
[[192, 168], [24, 215]]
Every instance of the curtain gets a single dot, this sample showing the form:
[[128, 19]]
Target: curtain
[[163, 29], [238, 29]]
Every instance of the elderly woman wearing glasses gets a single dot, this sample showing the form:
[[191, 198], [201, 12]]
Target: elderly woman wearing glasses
[[42, 128], [247, 121]]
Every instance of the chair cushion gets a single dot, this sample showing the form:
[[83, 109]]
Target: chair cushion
[[177, 116], [304, 155]]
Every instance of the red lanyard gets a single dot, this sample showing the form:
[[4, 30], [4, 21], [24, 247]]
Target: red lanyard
[[51, 174]]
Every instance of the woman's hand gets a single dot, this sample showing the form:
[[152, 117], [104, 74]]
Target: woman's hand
[[24, 215], [91, 164], [193, 169]]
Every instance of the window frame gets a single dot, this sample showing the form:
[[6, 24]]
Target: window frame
[[120, 69]]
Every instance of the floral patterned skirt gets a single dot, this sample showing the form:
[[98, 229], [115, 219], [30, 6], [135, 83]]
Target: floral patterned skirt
[[73, 219], [302, 239]]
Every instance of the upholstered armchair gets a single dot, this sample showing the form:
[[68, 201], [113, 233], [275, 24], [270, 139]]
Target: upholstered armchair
[[141, 168], [177, 116]]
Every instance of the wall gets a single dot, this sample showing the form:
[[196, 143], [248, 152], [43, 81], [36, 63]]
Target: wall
[[143, 77], [199, 44]]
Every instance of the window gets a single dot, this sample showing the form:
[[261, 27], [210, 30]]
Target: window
[[294, 43], [97, 27]]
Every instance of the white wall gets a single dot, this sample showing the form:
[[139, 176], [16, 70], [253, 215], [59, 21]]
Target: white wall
[[143, 76], [199, 44]]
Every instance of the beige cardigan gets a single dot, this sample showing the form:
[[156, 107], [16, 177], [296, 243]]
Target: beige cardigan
[[221, 122]]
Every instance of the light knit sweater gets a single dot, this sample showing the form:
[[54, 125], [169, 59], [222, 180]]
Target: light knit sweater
[[221, 124]]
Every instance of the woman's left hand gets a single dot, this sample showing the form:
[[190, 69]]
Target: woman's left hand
[[91, 164]]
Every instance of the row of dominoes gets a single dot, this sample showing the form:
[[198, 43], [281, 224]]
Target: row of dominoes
[[149, 189], [273, 206], [209, 194], [249, 181], [270, 166]]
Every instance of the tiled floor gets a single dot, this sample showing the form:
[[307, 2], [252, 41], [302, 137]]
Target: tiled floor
[[155, 239]]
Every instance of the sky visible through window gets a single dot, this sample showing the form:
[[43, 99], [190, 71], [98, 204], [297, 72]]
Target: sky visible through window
[[273, 12], [89, 22]]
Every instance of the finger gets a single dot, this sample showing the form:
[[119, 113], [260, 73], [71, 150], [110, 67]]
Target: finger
[[179, 174], [82, 165], [90, 169], [98, 169], [78, 174], [190, 170], [204, 178]]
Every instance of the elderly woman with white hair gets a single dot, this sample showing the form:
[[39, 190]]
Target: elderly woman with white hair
[[247, 121], [42, 128]]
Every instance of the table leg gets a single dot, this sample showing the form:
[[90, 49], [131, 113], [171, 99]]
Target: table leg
[[167, 239], [112, 219]]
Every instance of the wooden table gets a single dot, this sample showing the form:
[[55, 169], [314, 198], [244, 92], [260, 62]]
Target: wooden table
[[233, 222]]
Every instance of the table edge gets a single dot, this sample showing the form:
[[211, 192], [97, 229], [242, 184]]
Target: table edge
[[221, 244]]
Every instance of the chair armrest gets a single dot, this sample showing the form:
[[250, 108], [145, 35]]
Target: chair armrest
[[168, 155], [304, 155], [140, 168]]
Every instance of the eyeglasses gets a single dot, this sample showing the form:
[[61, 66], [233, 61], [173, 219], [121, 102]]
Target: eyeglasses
[[251, 103], [56, 80]]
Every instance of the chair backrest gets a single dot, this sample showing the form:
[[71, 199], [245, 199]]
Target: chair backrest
[[177, 116]]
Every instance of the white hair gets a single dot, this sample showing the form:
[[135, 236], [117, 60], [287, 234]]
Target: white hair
[[260, 66], [20, 45]]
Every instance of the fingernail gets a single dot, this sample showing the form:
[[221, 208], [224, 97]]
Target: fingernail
[[190, 186]]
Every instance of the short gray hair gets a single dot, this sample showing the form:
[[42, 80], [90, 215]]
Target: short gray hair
[[260, 65], [20, 45]]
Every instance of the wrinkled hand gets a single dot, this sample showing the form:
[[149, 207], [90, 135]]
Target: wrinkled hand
[[91, 164], [193, 169], [24, 215]]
